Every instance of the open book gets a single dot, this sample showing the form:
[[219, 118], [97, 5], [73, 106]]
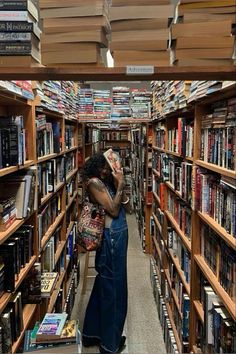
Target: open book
[[113, 160]]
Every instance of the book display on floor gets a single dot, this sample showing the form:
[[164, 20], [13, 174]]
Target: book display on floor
[[193, 221], [39, 259]]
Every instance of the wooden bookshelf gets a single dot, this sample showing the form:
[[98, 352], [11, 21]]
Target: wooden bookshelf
[[12, 104], [193, 113]]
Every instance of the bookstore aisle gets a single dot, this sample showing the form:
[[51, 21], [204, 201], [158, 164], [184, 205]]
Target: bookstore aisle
[[142, 319]]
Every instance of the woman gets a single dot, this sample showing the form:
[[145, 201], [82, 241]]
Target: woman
[[107, 307]]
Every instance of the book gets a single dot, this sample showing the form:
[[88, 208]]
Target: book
[[5, 324], [73, 24], [69, 334], [48, 4], [113, 160], [48, 282], [141, 12], [97, 36], [51, 326]]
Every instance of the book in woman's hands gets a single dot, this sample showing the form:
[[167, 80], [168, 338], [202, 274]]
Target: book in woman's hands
[[51, 326], [113, 160]]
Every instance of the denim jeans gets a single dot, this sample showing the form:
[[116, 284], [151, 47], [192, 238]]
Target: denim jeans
[[107, 307]]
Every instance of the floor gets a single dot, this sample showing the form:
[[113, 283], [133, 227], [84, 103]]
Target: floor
[[142, 328]]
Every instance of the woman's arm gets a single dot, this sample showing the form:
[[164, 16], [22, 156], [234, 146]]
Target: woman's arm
[[99, 194]]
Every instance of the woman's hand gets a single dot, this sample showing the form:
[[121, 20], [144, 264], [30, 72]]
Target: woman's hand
[[119, 179]]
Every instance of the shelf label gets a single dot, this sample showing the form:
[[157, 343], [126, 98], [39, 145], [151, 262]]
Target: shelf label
[[139, 69]]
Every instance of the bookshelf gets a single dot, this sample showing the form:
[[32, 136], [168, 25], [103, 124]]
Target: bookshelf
[[49, 150], [193, 242]]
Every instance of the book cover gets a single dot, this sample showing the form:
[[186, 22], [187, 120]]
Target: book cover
[[113, 160], [51, 326], [69, 334]]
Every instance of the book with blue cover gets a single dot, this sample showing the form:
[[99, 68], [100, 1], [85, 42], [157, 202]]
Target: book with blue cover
[[51, 326]]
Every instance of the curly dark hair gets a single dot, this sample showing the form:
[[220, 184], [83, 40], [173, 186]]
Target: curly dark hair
[[93, 166]]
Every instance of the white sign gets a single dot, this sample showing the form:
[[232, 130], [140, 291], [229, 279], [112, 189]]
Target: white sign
[[139, 69]]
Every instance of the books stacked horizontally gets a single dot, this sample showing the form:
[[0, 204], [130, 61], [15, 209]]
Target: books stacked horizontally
[[203, 33], [140, 32], [140, 103], [102, 103], [74, 31], [85, 98], [19, 34], [121, 102]]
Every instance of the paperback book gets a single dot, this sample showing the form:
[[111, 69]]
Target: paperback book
[[113, 160], [51, 326]]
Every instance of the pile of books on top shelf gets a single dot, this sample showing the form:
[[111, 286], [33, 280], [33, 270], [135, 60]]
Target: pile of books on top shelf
[[204, 33], [54, 330], [140, 32], [168, 96], [69, 91], [74, 32], [120, 102], [199, 89], [19, 34], [85, 98], [102, 103], [140, 103], [19, 88]]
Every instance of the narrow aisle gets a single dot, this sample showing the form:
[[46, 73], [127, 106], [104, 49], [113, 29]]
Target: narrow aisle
[[142, 328]]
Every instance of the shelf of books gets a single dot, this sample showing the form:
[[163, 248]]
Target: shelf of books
[[193, 225], [38, 208]]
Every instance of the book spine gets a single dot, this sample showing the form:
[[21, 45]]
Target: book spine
[[15, 36], [9, 48], [14, 15], [13, 5], [16, 26]]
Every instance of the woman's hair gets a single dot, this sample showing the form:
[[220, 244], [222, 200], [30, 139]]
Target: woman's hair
[[93, 166]]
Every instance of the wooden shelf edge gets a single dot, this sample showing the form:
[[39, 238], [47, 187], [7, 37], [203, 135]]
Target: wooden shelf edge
[[71, 200], [227, 301], [174, 294], [229, 239], [28, 312], [157, 223], [69, 229], [215, 168], [180, 271], [157, 198], [59, 251], [5, 298], [7, 170], [47, 157], [186, 241], [5, 234], [199, 309], [57, 289], [157, 246], [71, 174], [51, 229], [48, 196], [178, 342], [71, 149], [156, 148]]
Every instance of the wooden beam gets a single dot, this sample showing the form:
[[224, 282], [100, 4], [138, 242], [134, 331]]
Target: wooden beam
[[81, 73]]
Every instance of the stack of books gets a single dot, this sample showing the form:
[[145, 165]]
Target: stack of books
[[75, 27], [19, 34], [55, 330], [140, 32], [203, 33]]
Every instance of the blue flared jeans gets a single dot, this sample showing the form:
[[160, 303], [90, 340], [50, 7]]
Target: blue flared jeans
[[107, 308]]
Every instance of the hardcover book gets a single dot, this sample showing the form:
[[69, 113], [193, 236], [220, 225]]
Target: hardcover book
[[113, 160]]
